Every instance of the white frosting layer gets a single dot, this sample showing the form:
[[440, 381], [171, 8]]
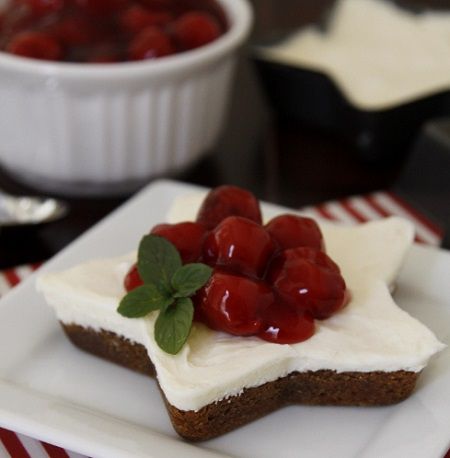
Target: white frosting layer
[[379, 54], [370, 334]]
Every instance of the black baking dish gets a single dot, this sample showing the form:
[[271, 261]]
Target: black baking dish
[[313, 99]]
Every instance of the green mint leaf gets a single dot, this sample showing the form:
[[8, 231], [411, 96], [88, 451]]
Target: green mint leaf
[[158, 260], [173, 325], [143, 300], [189, 278]]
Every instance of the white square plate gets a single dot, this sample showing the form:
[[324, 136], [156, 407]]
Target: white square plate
[[54, 392]]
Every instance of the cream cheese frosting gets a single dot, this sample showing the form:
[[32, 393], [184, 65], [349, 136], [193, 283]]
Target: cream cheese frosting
[[370, 334]]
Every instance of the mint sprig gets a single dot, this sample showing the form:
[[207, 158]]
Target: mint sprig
[[158, 260], [167, 287], [186, 279], [173, 325], [143, 300]]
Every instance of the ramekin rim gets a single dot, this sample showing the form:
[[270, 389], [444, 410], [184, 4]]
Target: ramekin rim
[[238, 10]]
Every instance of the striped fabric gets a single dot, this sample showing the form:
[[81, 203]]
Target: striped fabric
[[352, 210], [16, 445], [360, 209]]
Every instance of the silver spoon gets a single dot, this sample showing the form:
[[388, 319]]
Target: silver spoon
[[29, 210]]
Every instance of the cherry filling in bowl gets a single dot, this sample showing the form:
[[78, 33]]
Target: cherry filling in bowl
[[268, 281], [102, 31]]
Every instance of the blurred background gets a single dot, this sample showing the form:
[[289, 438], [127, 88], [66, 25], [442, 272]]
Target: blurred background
[[357, 101], [330, 99], [314, 120]]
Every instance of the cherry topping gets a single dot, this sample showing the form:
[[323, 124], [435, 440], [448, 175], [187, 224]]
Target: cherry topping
[[74, 31], [187, 237], [239, 244], [270, 282], [136, 17], [100, 7], [195, 29], [130, 29], [150, 43], [42, 7], [37, 45], [132, 279], [308, 280], [159, 4], [284, 325], [233, 304], [291, 231], [225, 201]]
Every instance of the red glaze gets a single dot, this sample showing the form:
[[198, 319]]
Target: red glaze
[[129, 29], [195, 29], [233, 304], [284, 325], [292, 231], [132, 279], [239, 244], [187, 237], [225, 201], [308, 280], [38, 45], [150, 43]]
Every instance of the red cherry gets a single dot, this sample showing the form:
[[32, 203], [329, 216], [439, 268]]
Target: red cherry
[[195, 29], [150, 43], [159, 4], [292, 231], [187, 237], [74, 31], [100, 7], [284, 325], [225, 201], [233, 304], [207, 6], [17, 19], [42, 7], [37, 45], [136, 17], [80, 26], [308, 280], [132, 279], [239, 244]]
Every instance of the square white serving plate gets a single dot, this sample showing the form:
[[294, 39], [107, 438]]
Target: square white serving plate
[[54, 392]]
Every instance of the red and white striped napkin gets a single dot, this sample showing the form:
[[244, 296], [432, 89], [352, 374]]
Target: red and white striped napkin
[[11, 277], [17, 445], [353, 210], [369, 207]]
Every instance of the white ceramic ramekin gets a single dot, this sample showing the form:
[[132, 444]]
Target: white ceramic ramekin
[[84, 129]]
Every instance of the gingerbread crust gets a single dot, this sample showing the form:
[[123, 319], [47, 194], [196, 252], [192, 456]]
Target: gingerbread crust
[[324, 387]]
